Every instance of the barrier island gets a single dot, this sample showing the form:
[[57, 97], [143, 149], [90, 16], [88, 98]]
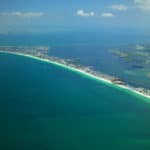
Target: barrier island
[[40, 53]]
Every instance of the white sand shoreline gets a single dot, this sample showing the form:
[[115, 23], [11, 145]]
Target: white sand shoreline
[[104, 80]]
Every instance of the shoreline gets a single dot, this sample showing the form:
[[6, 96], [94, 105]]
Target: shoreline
[[128, 89]]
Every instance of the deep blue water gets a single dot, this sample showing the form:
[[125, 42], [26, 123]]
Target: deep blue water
[[47, 107]]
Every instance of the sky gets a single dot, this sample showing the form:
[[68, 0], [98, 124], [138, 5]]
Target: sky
[[72, 15]]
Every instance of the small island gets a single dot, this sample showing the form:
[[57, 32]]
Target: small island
[[41, 53]]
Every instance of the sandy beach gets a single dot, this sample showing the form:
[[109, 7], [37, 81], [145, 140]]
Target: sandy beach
[[107, 82]]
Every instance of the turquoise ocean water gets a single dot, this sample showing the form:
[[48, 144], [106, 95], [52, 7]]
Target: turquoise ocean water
[[45, 107]]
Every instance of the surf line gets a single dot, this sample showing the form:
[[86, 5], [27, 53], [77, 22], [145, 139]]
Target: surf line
[[107, 82]]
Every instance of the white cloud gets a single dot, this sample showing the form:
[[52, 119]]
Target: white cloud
[[119, 7], [142, 4], [22, 14], [82, 13], [107, 15], [138, 4]]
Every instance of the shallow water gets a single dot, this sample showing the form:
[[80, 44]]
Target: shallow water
[[47, 107]]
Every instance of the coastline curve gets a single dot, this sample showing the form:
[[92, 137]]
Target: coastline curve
[[86, 75]]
